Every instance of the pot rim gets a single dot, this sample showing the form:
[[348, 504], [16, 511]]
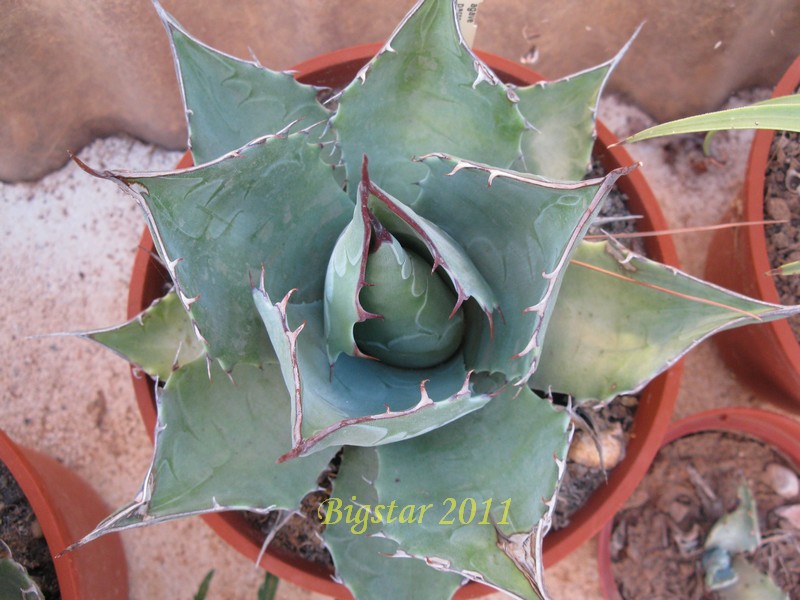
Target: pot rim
[[765, 357], [777, 430], [754, 211], [656, 401], [754, 193]]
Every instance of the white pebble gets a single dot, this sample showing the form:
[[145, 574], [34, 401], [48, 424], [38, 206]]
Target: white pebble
[[782, 480], [791, 513]]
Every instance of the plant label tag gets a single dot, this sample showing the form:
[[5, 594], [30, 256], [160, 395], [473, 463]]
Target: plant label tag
[[467, 11]]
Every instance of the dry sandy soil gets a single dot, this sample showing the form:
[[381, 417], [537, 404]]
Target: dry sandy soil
[[67, 252]]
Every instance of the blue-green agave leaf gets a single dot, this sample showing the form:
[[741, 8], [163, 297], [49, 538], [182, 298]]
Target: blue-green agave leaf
[[272, 204], [158, 341], [344, 280], [358, 401], [518, 231], [454, 508], [362, 556], [15, 582], [622, 319], [231, 101], [425, 92], [562, 115], [217, 448]]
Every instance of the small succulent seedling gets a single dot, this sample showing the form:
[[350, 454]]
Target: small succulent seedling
[[727, 571], [401, 279], [15, 583], [791, 268]]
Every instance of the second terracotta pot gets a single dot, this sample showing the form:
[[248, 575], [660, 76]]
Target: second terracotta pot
[[67, 508], [780, 432], [656, 401], [766, 356]]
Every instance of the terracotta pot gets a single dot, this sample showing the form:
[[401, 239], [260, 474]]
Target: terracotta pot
[[656, 402], [67, 508], [767, 356], [778, 431]]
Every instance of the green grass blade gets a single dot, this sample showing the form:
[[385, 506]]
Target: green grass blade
[[792, 268], [268, 589], [202, 591], [776, 113]]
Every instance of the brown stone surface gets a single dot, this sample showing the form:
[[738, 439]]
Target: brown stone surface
[[688, 58], [103, 66]]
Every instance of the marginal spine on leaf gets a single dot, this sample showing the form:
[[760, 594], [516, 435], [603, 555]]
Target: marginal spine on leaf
[[382, 235], [126, 183], [291, 337], [666, 290], [371, 224], [302, 447], [604, 185]]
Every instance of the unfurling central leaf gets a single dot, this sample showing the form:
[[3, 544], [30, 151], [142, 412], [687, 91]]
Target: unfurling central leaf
[[415, 328], [383, 300]]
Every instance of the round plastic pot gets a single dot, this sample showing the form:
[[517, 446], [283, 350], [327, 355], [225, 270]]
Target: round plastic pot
[[778, 431], [656, 401], [766, 357], [67, 508]]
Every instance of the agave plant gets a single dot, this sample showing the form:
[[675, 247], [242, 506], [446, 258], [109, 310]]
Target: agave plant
[[390, 276]]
